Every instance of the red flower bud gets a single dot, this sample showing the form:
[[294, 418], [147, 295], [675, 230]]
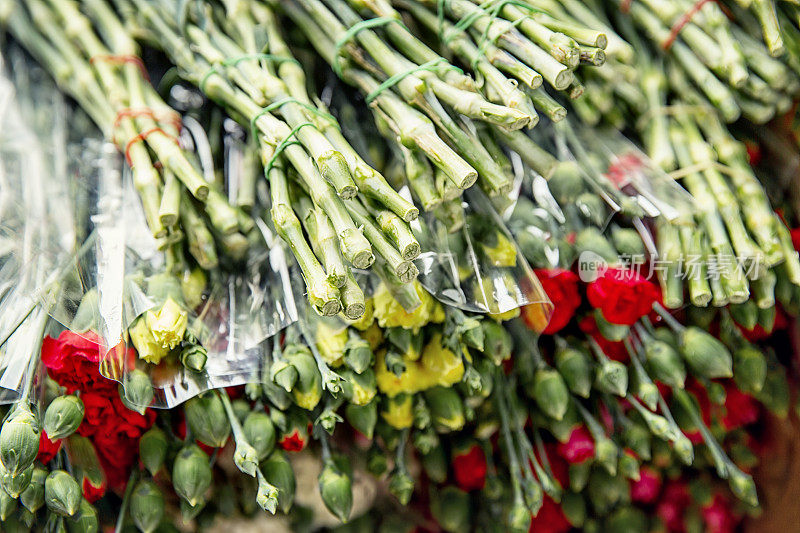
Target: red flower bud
[[623, 296], [293, 442], [647, 489], [47, 448], [561, 287], [469, 468], [578, 448]]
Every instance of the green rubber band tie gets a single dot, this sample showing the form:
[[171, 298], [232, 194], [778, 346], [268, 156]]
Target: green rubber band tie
[[233, 61], [400, 76], [352, 31], [290, 100], [288, 141]]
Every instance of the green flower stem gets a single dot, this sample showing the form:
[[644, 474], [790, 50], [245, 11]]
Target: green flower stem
[[692, 246], [323, 240], [169, 209], [516, 486], [324, 297], [397, 230], [198, 237], [495, 82], [404, 269]]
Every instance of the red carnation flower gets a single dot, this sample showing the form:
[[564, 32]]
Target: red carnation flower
[[561, 287], [47, 448], [72, 360], [648, 487], [672, 507], [293, 442], [579, 447], [718, 516], [469, 468], [740, 409], [91, 492], [550, 518], [622, 295]]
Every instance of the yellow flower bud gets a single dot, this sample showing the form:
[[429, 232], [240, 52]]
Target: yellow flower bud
[[168, 324], [145, 343], [331, 343], [398, 412]]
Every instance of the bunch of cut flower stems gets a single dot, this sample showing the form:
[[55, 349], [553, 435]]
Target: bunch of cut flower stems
[[104, 74], [332, 208]]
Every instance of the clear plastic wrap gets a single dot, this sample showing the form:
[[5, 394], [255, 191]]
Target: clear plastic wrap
[[36, 229], [472, 261], [618, 169]]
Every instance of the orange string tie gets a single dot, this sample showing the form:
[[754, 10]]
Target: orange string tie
[[141, 137], [112, 58], [683, 21], [130, 112]]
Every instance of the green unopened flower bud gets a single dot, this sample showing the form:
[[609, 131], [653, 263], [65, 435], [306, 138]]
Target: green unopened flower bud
[[742, 486], [665, 363], [446, 407], [284, 374], [336, 490], [168, 324], [648, 393], [683, 448], [566, 183], [657, 424], [194, 357], [576, 369], [137, 391], [451, 509], [278, 472], [191, 474], [19, 440], [626, 519], [7, 505], [605, 490], [612, 377], [245, 457], [62, 493], [591, 239], [628, 243], [435, 464], [519, 517], [63, 416], [574, 507], [496, 341], [276, 395], [775, 392], [357, 354], [145, 343], [153, 449], [766, 318], [533, 495], [401, 485], [606, 453], [592, 207], [377, 464], [629, 466], [207, 420], [579, 475], [33, 495], [189, 512], [471, 333], [267, 494], [14, 485], [745, 314], [749, 369], [85, 520], [395, 362], [241, 408], [706, 356], [637, 438], [425, 440], [609, 331], [260, 433], [550, 393], [359, 389], [307, 391], [146, 506], [363, 417], [716, 392], [422, 415]]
